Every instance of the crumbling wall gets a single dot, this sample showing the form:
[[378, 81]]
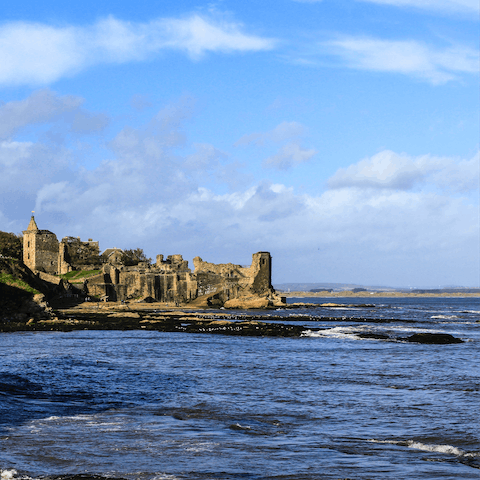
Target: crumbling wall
[[230, 280], [164, 287], [168, 280], [261, 273], [78, 255]]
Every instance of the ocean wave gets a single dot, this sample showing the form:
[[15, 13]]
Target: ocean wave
[[425, 447], [336, 332], [417, 330], [449, 317], [8, 474]]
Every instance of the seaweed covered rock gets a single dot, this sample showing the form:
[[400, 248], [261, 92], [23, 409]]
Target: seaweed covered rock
[[433, 338]]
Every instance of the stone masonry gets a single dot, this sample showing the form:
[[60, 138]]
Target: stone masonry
[[168, 280]]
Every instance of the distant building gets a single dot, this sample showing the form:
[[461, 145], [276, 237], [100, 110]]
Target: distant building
[[113, 256], [40, 249], [167, 280], [42, 252]]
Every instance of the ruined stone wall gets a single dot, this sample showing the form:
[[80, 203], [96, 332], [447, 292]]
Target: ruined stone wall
[[100, 286], [261, 273], [29, 252], [169, 287], [234, 280], [78, 255], [172, 281], [63, 265]]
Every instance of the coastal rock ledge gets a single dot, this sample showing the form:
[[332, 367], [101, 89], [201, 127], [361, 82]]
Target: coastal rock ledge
[[434, 338]]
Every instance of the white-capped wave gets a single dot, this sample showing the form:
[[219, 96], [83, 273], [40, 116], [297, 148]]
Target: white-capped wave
[[448, 317], [8, 474], [335, 332], [425, 447], [164, 476], [237, 426], [416, 330]]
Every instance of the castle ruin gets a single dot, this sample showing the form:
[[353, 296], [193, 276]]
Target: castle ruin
[[167, 280]]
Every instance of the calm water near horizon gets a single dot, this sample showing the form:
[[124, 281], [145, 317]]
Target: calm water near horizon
[[329, 405]]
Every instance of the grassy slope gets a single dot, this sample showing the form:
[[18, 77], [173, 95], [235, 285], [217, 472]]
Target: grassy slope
[[79, 276], [12, 281]]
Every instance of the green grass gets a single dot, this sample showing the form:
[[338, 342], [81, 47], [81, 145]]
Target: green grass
[[77, 276], [9, 279]]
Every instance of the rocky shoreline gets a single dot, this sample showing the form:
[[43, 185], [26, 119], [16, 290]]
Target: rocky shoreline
[[96, 316], [164, 322]]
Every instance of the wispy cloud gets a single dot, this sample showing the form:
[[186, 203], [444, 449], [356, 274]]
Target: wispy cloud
[[447, 5], [40, 107], [291, 153], [393, 209], [388, 170], [35, 53], [283, 131], [406, 57]]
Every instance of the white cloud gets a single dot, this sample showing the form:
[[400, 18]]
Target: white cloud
[[34, 53], [206, 157], [24, 166], [289, 155], [407, 57], [41, 107], [389, 170], [447, 5], [416, 216]]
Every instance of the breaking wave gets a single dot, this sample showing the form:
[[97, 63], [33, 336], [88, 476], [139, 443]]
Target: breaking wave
[[425, 447]]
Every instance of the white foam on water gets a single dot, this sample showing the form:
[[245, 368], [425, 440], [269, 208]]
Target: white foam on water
[[164, 476], [336, 332], [448, 317], [200, 447], [237, 426], [339, 308], [445, 449], [416, 330], [7, 474]]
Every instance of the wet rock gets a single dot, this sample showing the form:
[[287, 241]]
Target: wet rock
[[247, 303], [433, 338], [375, 336], [124, 315]]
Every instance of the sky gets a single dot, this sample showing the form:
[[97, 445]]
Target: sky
[[342, 136]]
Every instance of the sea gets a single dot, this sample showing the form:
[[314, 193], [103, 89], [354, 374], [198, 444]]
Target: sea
[[331, 404]]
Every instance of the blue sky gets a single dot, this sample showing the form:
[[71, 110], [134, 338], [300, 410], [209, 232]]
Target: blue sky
[[342, 136]]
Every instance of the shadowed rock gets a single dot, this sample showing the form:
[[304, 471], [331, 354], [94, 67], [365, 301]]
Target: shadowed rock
[[433, 338]]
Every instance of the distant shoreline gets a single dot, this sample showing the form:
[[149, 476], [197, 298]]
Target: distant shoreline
[[349, 294]]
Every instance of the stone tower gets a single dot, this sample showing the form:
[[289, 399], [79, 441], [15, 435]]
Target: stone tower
[[262, 266], [40, 249]]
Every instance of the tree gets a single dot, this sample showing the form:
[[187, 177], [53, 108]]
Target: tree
[[81, 253], [134, 257], [11, 245]]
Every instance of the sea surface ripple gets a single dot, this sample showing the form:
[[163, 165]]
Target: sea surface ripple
[[329, 405]]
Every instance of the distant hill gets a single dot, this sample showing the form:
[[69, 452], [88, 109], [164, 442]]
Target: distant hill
[[339, 287], [336, 287]]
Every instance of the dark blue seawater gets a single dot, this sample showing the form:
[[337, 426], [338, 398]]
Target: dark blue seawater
[[328, 405]]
